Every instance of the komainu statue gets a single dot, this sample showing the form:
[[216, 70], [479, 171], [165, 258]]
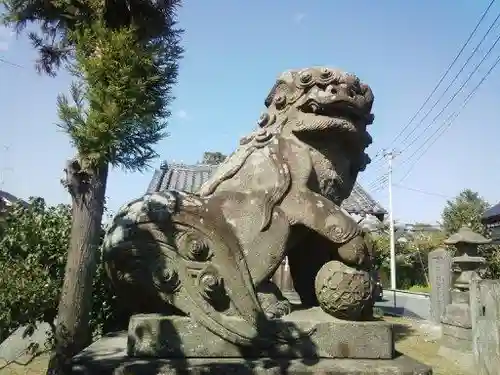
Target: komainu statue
[[211, 255]]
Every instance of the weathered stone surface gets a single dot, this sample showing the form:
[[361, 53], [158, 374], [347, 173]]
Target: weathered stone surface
[[440, 280], [458, 296], [212, 254], [466, 264], [342, 291], [172, 337], [108, 357], [463, 359], [456, 343], [457, 315], [399, 366], [485, 315], [458, 332]]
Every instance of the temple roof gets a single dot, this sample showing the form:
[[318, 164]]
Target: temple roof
[[8, 199], [492, 215], [189, 178]]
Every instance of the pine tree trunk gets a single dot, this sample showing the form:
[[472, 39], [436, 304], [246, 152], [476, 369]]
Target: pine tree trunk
[[87, 188]]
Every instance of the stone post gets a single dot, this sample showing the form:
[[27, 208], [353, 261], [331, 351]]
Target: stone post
[[440, 281]]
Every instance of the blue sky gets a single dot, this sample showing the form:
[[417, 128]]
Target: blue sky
[[235, 50]]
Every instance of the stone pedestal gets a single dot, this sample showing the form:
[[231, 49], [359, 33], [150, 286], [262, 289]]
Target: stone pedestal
[[456, 325], [157, 344]]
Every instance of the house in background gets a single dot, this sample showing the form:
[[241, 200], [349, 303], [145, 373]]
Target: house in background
[[189, 178], [7, 199], [491, 219]]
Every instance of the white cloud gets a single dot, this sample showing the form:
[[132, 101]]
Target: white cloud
[[5, 37], [299, 17], [182, 114]]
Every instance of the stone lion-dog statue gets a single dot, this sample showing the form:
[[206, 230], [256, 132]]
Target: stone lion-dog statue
[[211, 255]]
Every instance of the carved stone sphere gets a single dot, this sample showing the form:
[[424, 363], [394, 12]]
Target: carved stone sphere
[[344, 292]]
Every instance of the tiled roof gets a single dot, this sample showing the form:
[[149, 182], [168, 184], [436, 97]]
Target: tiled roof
[[492, 215], [9, 199], [189, 178]]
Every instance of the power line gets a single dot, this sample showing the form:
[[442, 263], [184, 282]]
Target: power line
[[451, 117], [453, 81], [422, 191], [445, 73], [2, 60], [377, 183], [449, 121], [452, 98]]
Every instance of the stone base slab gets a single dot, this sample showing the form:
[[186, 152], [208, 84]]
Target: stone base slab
[[463, 360], [460, 297], [157, 336], [401, 365], [458, 332], [457, 315], [455, 343]]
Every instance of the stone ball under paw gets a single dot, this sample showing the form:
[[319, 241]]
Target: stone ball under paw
[[342, 291]]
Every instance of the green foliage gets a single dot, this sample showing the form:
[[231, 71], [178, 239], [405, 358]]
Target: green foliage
[[152, 20], [118, 102], [34, 242], [213, 158], [124, 55], [467, 209], [411, 256]]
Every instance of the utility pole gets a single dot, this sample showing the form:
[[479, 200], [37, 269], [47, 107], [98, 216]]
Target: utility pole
[[390, 155]]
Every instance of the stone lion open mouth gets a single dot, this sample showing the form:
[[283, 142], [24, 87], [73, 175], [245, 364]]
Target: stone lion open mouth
[[336, 105]]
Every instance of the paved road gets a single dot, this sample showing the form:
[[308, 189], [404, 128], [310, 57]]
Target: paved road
[[412, 305]]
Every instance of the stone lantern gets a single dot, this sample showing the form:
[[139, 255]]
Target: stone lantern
[[466, 264], [456, 323]]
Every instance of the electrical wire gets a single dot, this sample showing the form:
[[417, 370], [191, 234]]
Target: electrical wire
[[422, 191], [452, 98], [453, 81], [471, 35], [452, 116], [448, 122], [2, 60]]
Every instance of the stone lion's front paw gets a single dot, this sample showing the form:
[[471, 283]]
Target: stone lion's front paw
[[355, 252]]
